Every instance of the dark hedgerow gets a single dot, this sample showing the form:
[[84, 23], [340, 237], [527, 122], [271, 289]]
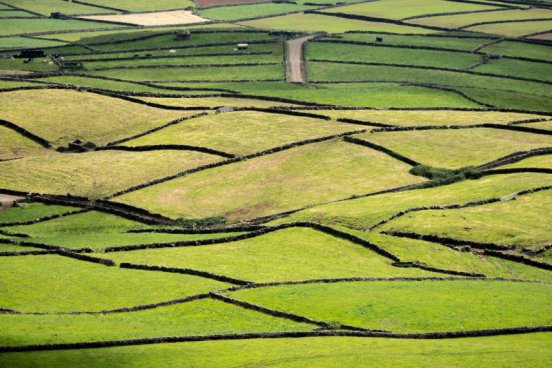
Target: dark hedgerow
[[441, 176]]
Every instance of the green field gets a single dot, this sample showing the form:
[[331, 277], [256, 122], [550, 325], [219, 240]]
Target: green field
[[287, 184]]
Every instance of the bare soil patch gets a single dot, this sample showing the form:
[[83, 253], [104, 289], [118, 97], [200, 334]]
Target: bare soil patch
[[6, 201], [544, 36], [151, 19]]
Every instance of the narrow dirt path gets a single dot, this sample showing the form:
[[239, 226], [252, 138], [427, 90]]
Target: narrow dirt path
[[295, 72]]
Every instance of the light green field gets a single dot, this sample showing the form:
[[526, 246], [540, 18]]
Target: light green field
[[91, 174], [439, 256], [46, 7], [223, 73], [243, 132], [437, 40], [514, 29], [144, 5], [25, 26], [32, 211], [214, 102], [448, 148], [422, 117], [366, 212], [65, 115], [546, 125], [507, 351], [68, 284], [461, 20], [412, 306], [233, 12], [322, 23], [18, 42], [346, 52], [535, 161], [398, 9], [512, 48], [290, 254], [194, 318], [14, 145], [540, 71], [523, 222], [270, 184]]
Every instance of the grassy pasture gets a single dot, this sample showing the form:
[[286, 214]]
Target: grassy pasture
[[461, 20], [380, 95], [255, 72], [46, 7], [167, 40], [271, 184], [144, 5], [508, 351], [25, 26], [451, 42], [236, 12], [345, 52], [189, 60], [243, 132], [516, 29], [323, 23], [423, 117], [320, 71], [290, 254], [365, 212], [14, 145], [196, 318], [23, 42], [216, 102], [439, 256], [96, 174], [458, 148], [526, 69], [532, 101], [64, 115], [413, 306], [38, 64], [31, 211], [546, 125], [398, 9], [71, 285], [524, 222], [513, 48]]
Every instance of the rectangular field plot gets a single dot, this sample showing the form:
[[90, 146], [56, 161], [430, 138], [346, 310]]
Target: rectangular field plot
[[530, 350], [523, 222], [513, 48], [289, 254], [25, 26], [347, 52], [323, 23], [67, 284], [338, 72], [525, 69], [199, 317], [243, 132], [236, 12], [22, 42], [143, 5], [406, 306], [456, 148], [423, 117], [46, 7], [269, 184], [32, 211], [212, 102], [223, 73], [515, 29], [437, 40], [61, 116], [364, 213], [96, 174], [398, 9], [463, 20]]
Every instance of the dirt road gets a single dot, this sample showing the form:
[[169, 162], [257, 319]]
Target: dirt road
[[295, 73]]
